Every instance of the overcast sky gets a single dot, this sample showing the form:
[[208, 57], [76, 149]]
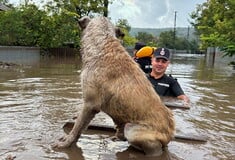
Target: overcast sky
[[153, 13], [150, 13]]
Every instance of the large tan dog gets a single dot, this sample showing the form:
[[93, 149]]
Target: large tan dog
[[113, 83]]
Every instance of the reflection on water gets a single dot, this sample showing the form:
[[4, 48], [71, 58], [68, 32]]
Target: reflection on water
[[35, 102]]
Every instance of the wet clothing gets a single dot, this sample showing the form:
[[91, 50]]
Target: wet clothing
[[145, 64], [166, 86]]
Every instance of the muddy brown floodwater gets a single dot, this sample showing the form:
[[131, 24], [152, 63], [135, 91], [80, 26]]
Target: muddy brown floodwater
[[37, 100]]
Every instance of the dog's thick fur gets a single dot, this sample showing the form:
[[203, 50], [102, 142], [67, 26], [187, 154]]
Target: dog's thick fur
[[113, 83]]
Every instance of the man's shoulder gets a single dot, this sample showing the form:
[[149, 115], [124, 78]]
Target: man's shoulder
[[169, 78]]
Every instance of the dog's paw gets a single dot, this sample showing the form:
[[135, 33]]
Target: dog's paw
[[64, 142]]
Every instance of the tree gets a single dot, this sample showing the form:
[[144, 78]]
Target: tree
[[194, 46], [125, 27], [123, 24], [4, 2], [147, 38], [59, 29], [215, 23], [55, 25], [66, 13], [80, 8], [166, 39], [31, 18], [28, 26], [8, 33]]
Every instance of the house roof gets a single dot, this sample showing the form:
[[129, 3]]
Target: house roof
[[3, 7]]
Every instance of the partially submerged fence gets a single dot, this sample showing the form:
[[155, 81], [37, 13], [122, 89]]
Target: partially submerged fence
[[60, 52], [32, 55], [19, 54]]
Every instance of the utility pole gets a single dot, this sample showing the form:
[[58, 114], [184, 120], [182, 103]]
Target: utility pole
[[174, 31], [188, 33], [188, 40]]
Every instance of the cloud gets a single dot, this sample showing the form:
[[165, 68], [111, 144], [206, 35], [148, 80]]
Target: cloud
[[153, 13], [125, 9], [143, 13]]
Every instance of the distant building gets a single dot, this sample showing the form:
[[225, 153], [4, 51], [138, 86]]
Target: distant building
[[3, 7]]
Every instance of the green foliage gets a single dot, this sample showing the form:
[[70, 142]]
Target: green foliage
[[81, 7], [185, 39], [4, 1], [128, 40], [229, 50], [147, 38], [8, 33], [30, 26], [123, 24], [31, 18], [20, 27], [54, 26], [215, 23], [166, 39]]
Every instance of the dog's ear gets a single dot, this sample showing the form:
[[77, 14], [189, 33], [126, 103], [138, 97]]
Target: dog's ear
[[83, 22], [119, 32]]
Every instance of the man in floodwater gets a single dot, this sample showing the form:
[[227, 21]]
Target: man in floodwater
[[164, 85]]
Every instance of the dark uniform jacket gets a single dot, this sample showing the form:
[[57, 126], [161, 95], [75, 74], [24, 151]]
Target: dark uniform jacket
[[166, 86]]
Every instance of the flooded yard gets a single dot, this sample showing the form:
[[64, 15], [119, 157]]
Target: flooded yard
[[37, 100]]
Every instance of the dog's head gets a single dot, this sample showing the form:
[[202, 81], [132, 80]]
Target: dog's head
[[119, 33], [84, 21]]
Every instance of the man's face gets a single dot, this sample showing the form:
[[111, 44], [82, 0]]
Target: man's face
[[159, 65]]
